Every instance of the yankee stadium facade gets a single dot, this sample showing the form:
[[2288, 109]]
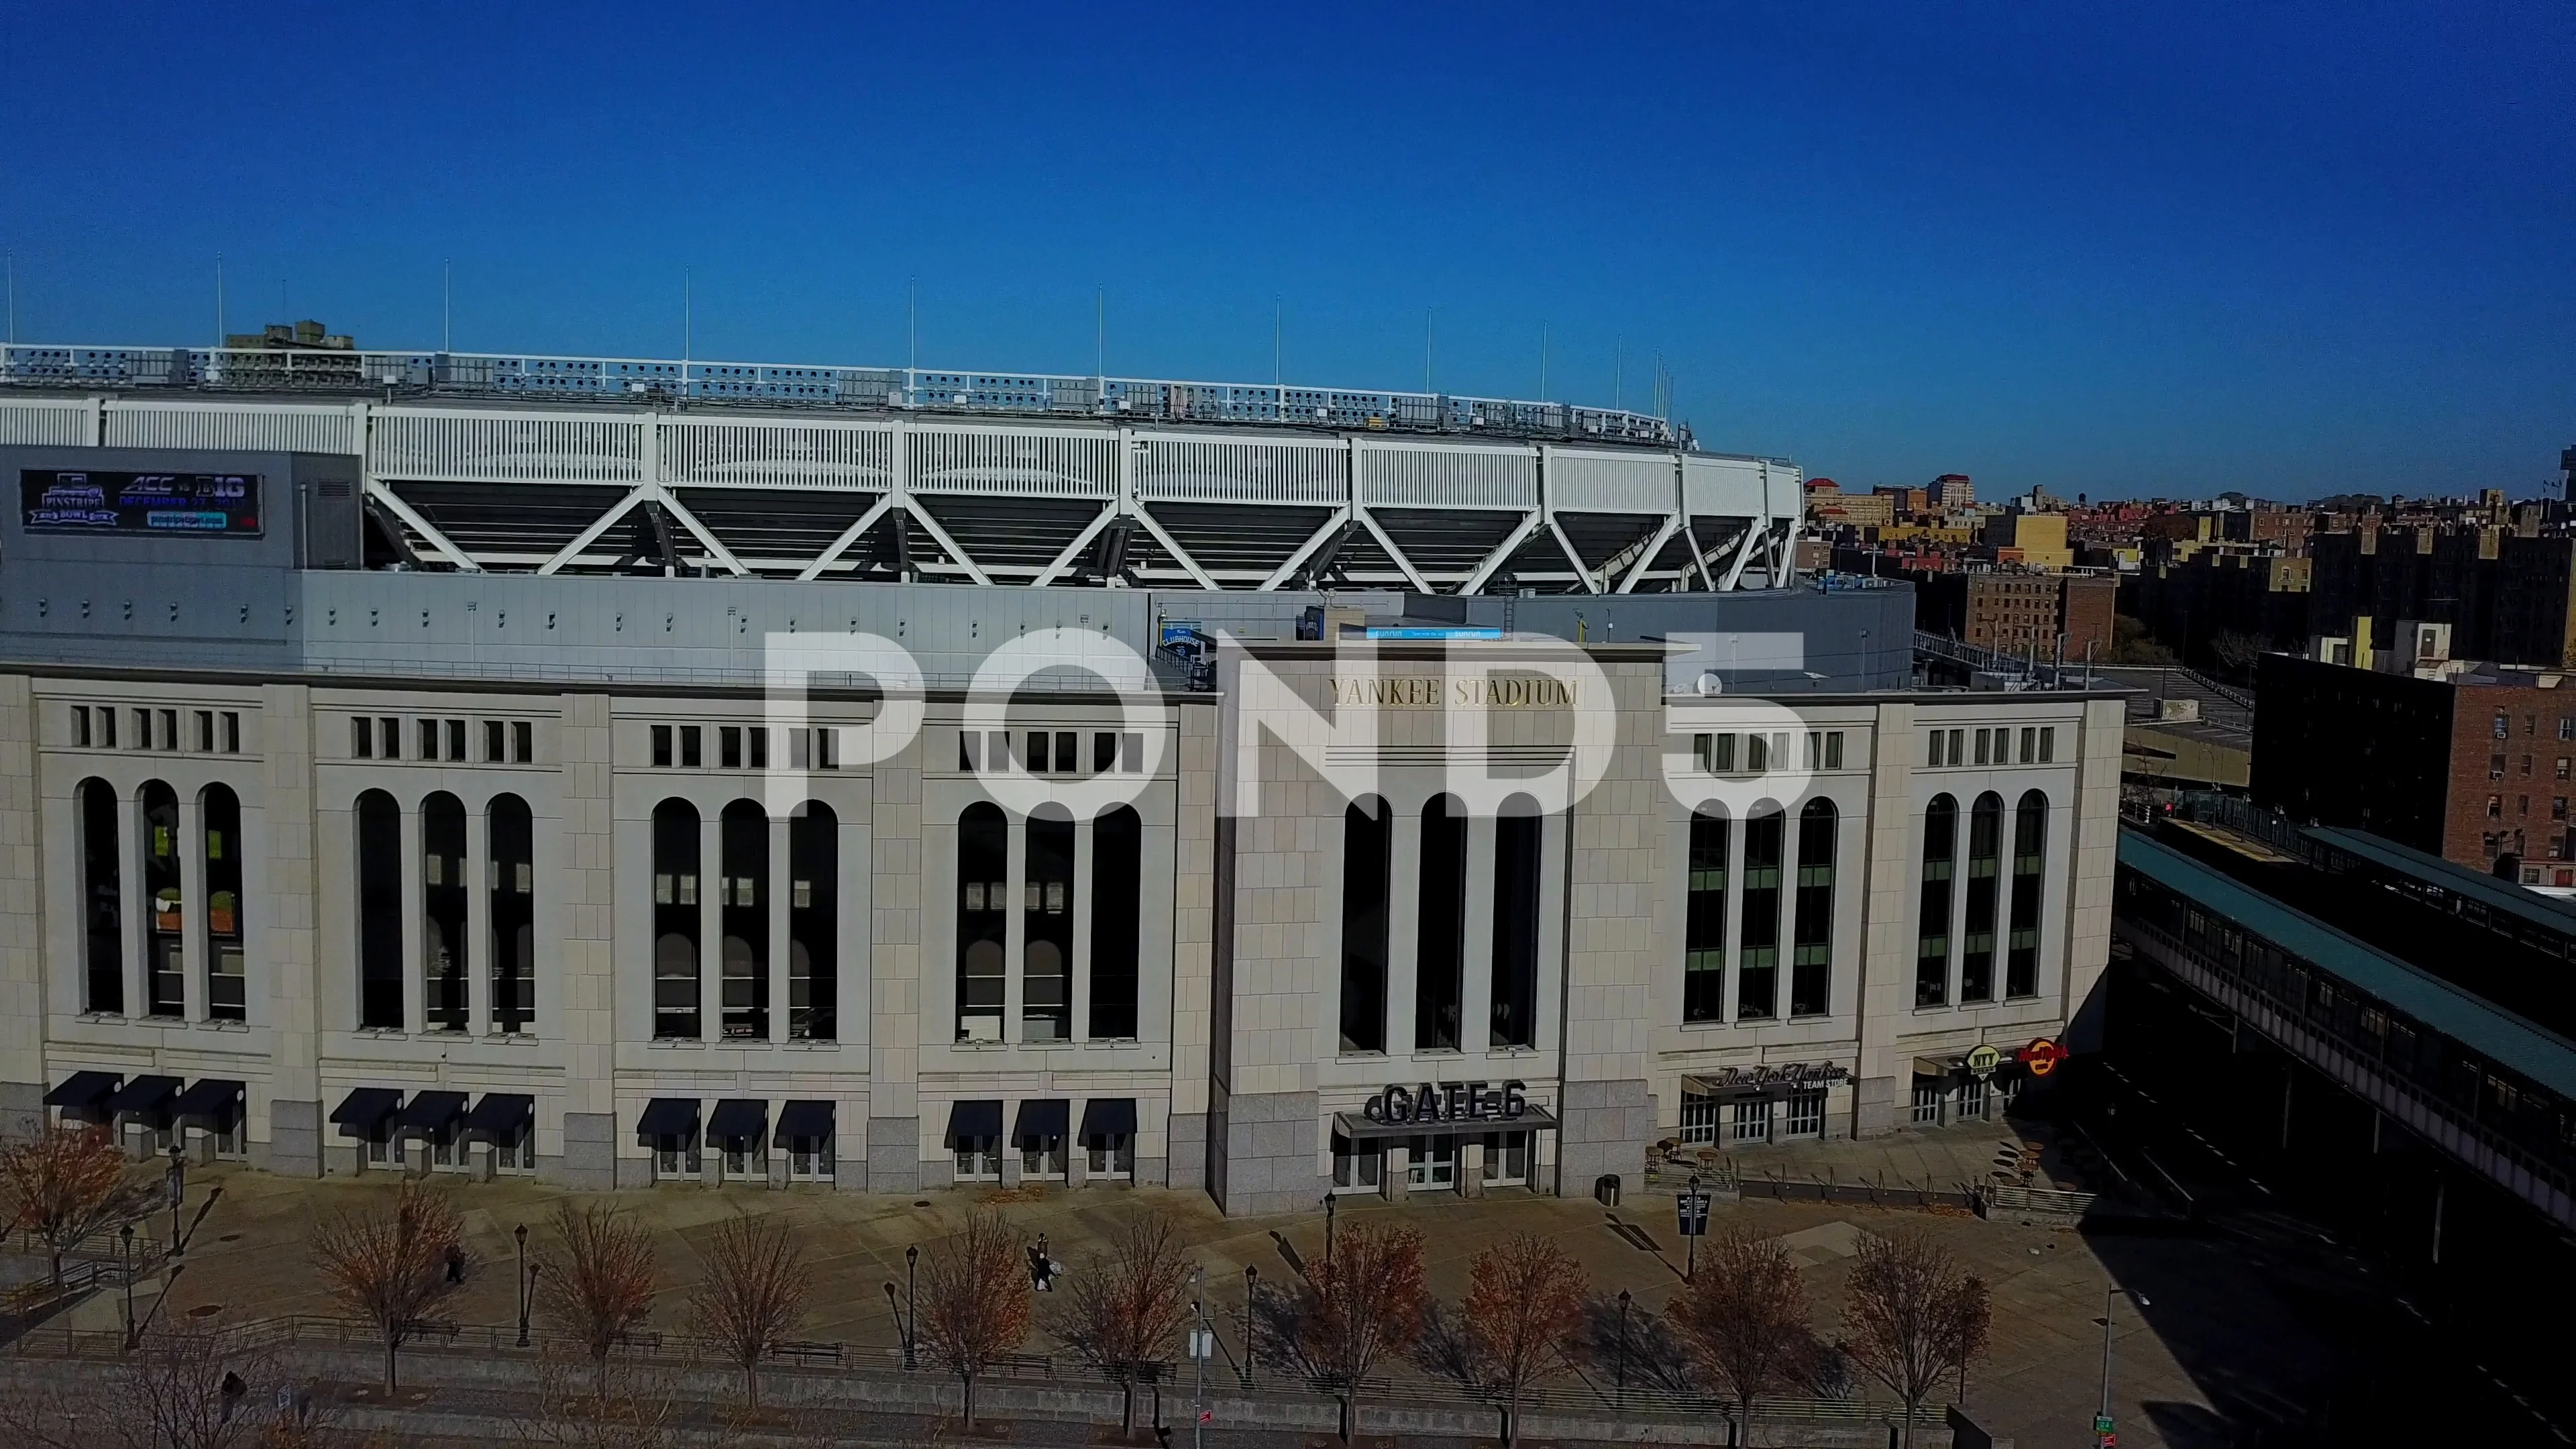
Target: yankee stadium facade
[[629, 772]]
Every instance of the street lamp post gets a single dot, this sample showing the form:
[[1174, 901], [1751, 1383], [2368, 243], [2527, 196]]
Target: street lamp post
[[521, 1233], [178, 1185], [896, 1314], [125, 1236], [1330, 1202], [1251, 1285], [1690, 1215], [911, 1308], [2111, 1294]]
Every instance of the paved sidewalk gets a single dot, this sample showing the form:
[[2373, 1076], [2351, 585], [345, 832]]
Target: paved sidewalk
[[248, 1259]]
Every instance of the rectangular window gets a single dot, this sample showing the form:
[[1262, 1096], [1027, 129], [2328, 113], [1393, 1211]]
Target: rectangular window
[[143, 729], [428, 740], [1958, 741], [1833, 749], [456, 740], [968, 742], [1981, 745], [997, 752], [1758, 951], [2047, 744], [2526, 767], [1806, 1115], [661, 747], [1811, 962], [729, 745], [760, 747], [170, 729], [1704, 927], [80, 725], [205, 731], [523, 742], [2029, 744], [1721, 754], [495, 742], [2495, 807], [1104, 752], [691, 751], [1068, 758], [1934, 759], [1131, 754], [1757, 754], [106, 728], [827, 747], [2495, 767], [1037, 752], [389, 737], [1699, 1115], [2503, 725], [232, 732]]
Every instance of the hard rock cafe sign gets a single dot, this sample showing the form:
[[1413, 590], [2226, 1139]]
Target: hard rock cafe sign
[[1448, 1102]]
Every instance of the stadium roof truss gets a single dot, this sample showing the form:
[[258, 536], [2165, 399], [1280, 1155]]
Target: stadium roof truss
[[814, 495]]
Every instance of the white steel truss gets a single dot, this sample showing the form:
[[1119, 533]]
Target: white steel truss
[[491, 486]]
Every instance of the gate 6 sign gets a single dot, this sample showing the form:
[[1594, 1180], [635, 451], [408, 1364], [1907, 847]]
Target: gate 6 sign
[[1448, 1102]]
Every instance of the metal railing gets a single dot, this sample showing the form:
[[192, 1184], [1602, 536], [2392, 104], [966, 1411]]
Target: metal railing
[[329, 371]]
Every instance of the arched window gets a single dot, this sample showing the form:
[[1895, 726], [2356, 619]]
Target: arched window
[[1046, 929], [227, 980], [1757, 961], [1517, 832], [1367, 831], [512, 840], [1985, 848], [1811, 968], [164, 958], [744, 837], [380, 912], [1117, 881], [102, 900], [1932, 931], [675, 920], [1440, 937], [2030, 843], [444, 955], [983, 921], [1704, 924], [813, 923]]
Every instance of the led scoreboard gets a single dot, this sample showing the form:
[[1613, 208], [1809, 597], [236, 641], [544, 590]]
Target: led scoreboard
[[64, 500]]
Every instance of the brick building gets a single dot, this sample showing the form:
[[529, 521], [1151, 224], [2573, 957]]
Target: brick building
[[2504, 590], [2019, 613], [2471, 768]]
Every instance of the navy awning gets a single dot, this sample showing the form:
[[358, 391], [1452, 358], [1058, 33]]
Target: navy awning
[[1041, 1118], [502, 1117], [362, 1113], [84, 1091], [803, 1124], [738, 1119], [668, 1117], [1108, 1117], [215, 1101], [973, 1121], [145, 1096], [431, 1112]]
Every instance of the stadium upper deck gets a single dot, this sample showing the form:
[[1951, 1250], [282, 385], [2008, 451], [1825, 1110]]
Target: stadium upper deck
[[590, 465]]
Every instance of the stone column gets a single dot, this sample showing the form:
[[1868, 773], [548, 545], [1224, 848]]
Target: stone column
[[712, 887], [22, 915], [584, 958], [192, 916], [415, 925], [889, 943], [1403, 928], [288, 921], [1881, 1072], [477, 947], [778, 893]]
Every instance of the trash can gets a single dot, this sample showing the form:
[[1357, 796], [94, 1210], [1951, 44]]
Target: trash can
[[1606, 1189]]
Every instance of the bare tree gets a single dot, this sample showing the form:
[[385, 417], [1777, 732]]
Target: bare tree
[[64, 1184], [1353, 1309], [2237, 652], [1915, 1315], [1127, 1310], [190, 1385], [754, 1293], [975, 1301], [389, 1264], [1745, 1316], [1524, 1311], [598, 1285], [618, 1407]]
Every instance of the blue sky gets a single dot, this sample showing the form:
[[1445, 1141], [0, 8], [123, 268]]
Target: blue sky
[[2170, 248]]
